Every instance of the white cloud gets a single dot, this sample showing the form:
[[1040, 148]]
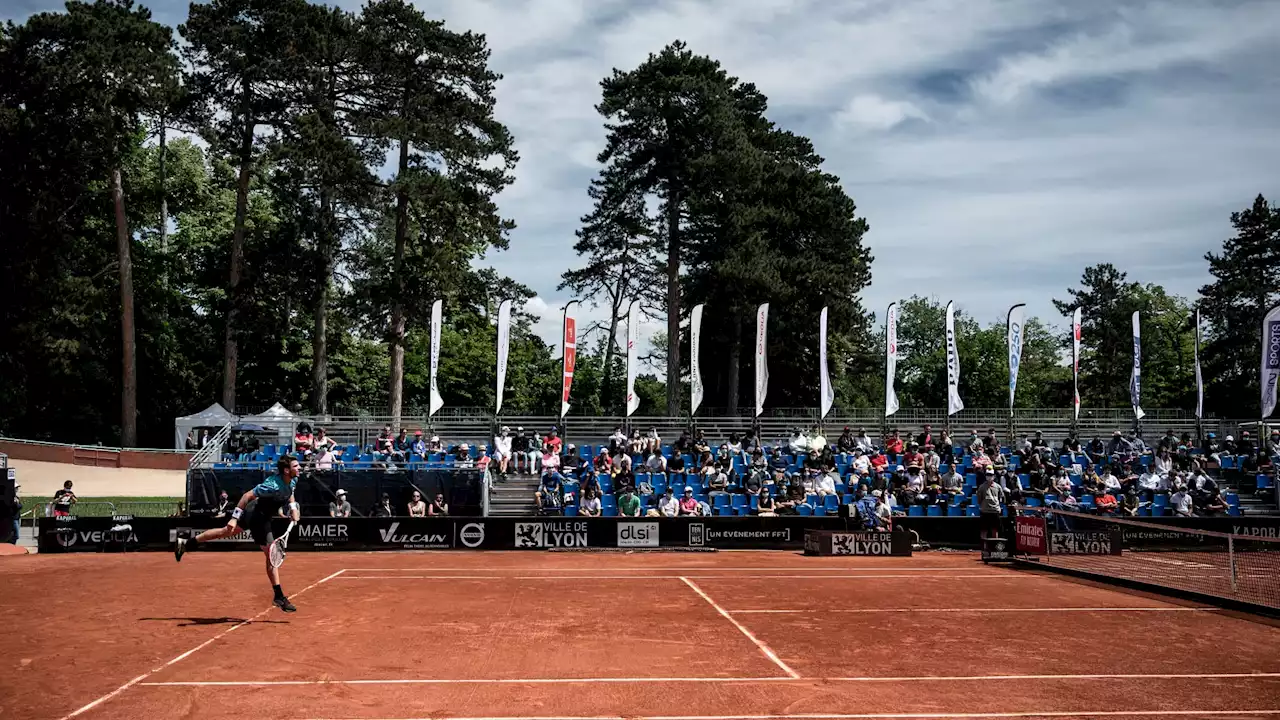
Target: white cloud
[[872, 112]]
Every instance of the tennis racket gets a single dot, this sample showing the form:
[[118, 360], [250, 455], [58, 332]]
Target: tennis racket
[[277, 552]]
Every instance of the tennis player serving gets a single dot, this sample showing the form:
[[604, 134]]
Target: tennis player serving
[[272, 494]]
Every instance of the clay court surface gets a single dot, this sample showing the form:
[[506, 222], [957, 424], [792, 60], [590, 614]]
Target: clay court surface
[[668, 635]]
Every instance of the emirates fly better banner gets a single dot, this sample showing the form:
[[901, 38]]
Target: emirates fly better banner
[[437, 402], [891, 359], [570, 357]]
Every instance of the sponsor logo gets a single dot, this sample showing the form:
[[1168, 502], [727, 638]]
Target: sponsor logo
[[995, 549], [812, 543], [634, 534], [69, 537], [1015, 353], [13, 473], [1029, 535], [1273, 346], [419, 541], [121, 518], [1267, 532], [1081, 543], [700, 534], [241, 537], [323, 534], [861, 544], [551, 534], [471, 535]]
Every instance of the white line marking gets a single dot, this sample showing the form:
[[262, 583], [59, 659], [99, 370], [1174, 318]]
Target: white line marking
[[188, 653], [484, 681], [977, 610], [694, 568], [1002, 576], [791, 678], [882, 715], [763, 648]]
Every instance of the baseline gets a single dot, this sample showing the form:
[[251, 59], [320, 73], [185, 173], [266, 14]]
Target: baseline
[[871, 716]]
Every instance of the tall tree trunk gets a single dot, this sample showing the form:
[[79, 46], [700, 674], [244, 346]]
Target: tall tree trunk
[[164, 196], [673, 302], [396, 340], [231, 350], [319, 333], [129, 376], [735, 360]]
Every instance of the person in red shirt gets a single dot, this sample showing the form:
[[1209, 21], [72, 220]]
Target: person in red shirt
[[914, 458], [879, 461], [894, 445], [688, 503], [553, 441], [925, 439], [1106, 502]]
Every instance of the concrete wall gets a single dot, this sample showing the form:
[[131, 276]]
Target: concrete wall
[[96, 471]]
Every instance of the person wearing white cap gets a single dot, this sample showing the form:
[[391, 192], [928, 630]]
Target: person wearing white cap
[[502, 450], [340, 508]]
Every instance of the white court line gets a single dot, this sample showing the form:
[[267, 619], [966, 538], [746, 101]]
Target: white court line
[[873, 716], [976, 610], [693, 568], [622, 680], [188, 653], [1000, 576], [763, 648]]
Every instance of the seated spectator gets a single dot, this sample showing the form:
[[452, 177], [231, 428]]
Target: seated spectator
[[485, 460], [303, 442], [573, 465], [322, 441], [417, 508], [384, 446], [924, 440], [1215, 504], [603, 463], [403, 446], [952, 482], [1012, 485], [629, 504], [1105, 502], [861, 463], [223, 508], [653, 441], [700, 442], [894, 445], [982, 462], [1096, 451], [750, 443], [1202, 488], [862, 442], [676, 465], [688, 503], [550, 494], [757, 460], [462, 456], [637, 445], [878, 461], [844, 443], [550, 459], [754, 482], [1182, 504], [434, 445], [522, 452], [1109, 481], [340, 508], [734, 445], [669, 504], [656, 463], [589, 481], [826, 484], [683, 444], [623, 481], [794, 498], [621, 462], [618, 440], [326, 458], [589, 506], [1163, 463], [1149, 484], [777, 463], [383, 509], [438, 507], [1131, 503], [419, 446], [718, 483], [1062, 482], [914, 458], [1210, 447], [502, 449], [765, 506]]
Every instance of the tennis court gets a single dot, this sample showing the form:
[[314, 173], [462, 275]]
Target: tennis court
[[605, 635]]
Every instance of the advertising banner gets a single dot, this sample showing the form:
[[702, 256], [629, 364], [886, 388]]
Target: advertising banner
[[695, 367], [1029, 535], [1105, 542], [891, 359], [820, 542]]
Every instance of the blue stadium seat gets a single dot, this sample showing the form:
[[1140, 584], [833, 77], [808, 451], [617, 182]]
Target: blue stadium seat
[[738, 500], [955, 511], [570, 510], [1227, 463], [1033, 502], [935, 511], [606, 483], [916, 511], [721, 501], [1263, 482], [1233, 510], [972, 511], [1015, 462], [831, 503]]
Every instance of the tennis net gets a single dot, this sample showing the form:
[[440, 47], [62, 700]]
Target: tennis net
[[1244, 568]]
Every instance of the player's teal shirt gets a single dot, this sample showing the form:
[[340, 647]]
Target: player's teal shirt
[[275, 488]]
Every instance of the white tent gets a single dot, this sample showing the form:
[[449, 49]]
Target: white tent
[[275, 418], [214, 416]]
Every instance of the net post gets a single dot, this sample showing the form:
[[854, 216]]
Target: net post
[[1231, 560]]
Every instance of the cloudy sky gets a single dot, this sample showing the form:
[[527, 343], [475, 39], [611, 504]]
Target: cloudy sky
[[996, 147]]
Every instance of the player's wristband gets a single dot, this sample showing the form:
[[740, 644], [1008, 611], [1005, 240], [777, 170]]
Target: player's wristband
[[295, 506], [235, 514]]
